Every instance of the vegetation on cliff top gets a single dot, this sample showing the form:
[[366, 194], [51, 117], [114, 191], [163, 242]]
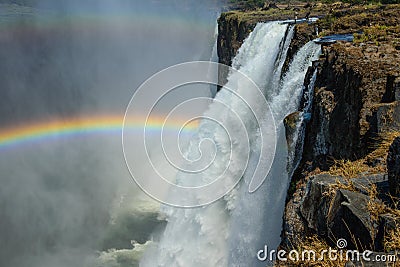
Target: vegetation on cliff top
[[371, 58], [265, 4]]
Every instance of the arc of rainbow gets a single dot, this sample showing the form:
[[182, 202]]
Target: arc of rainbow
[[36, 132]]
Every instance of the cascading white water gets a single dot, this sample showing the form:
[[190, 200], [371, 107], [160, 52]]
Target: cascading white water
[[257, 218], [297, 144], [230, 231]]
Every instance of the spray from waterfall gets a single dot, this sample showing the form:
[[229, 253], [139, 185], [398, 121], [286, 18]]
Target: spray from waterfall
[[230, 231], [257, 218]]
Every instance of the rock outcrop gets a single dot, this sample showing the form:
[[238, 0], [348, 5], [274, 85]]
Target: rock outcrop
[[348, 111], [356, 101], [331, 211], [356, 104], [291, 122], [393, 165]]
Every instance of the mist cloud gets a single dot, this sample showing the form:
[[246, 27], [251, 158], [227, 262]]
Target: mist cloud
[[62, 59]]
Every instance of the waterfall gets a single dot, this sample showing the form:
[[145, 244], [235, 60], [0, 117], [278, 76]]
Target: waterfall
[[296, 151], [230, 231], [257, 218]]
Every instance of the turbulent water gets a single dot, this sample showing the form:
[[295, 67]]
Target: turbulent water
[[230, 231], [70, 202]]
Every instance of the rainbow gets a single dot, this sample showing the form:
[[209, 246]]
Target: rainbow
[[48, 22], [90, 125], [106, 19]]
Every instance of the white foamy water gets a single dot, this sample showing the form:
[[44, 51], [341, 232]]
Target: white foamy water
[[230, 231]]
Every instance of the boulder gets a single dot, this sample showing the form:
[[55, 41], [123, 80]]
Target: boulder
[[364, 182], [349, 218], [393, 165], [315, 205], [334, 213]]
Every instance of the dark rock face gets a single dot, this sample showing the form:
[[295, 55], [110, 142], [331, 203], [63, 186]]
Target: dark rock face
[[392, 89], [335, 127], [302, 34], [315, 205], [393, 165], [349, 218], [396, 89], [335, 213], [348, 111], [232, 31], [387, 117]]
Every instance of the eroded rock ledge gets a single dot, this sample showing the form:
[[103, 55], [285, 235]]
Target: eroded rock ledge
[[355, 117]]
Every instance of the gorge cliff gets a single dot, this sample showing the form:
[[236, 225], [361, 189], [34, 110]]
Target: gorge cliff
[[347, 182]]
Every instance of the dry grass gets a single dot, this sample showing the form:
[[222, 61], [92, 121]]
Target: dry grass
[[333, 188], [382, 145], [375, 206], [313, 243], [349, 169], [353, 169], [374, 162], [392, 240]]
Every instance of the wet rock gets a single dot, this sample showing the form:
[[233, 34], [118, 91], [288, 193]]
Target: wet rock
[[232, 31], [348, 112], [393, 165], [293, 129], [303, 33], [291, 121], [318, 138], [339, 100]]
